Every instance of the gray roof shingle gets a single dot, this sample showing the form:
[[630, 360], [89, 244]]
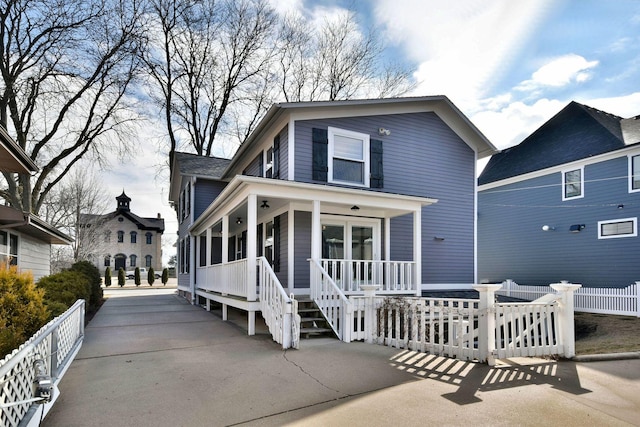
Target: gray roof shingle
[[576, 132], [192, 164]]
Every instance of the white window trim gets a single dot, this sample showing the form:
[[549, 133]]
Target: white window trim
[[347, 223], [265, 161], [630, 157], [617, 236], [19, 249], [564, 172], [331, 132]]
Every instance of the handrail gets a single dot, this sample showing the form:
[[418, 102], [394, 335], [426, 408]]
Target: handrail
[[278, 309], [331, 301]]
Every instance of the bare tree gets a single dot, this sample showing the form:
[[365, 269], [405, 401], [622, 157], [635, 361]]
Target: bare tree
[[209, 62], [76, 206], [66, 67], [335, 61]]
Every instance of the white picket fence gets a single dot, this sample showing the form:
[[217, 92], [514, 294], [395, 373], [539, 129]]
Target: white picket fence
[[54, 346], [621, 301], [466, 329]]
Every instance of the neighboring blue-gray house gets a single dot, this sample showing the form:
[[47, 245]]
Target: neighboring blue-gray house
[[564, 203], [375, 191], [25, 239]]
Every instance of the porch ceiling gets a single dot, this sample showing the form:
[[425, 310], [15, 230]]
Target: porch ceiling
[[280, 194]]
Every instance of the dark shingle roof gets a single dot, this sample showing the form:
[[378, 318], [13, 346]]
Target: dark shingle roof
[[576, 132], [142, 223], [192, 164]]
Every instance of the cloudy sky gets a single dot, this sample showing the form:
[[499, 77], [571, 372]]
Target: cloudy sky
[[508, 65]]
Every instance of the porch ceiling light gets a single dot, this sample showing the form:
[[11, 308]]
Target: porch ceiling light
[[355, 208], [239, 220], [547, 228], [264, 205]]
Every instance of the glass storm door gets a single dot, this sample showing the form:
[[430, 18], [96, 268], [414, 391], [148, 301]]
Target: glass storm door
[[361, 245]]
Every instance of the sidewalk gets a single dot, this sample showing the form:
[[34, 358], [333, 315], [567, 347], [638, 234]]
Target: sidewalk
[[151, 359]]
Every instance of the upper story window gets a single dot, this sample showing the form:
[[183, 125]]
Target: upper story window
[[134, 237], [149, 237], [572, 184], [634, 173], [8, 248], [185, 202], [348, 157], [107, 236], [120, 236], [272, 160], [625, 227]]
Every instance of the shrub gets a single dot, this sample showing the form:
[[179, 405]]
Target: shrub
[[107, 277], [136, 276], [22, 308], [151, 276], [93, 274], [121, 277], [64, 288], [165, 276]]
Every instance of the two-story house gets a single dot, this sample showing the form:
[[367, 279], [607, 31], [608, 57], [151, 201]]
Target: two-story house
[[25, 239], [564, 203], [360, 192], [122, 239]]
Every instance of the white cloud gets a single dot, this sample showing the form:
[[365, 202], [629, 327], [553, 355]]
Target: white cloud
[[623, 106], [511, 123], [561, 71], [462, 49]]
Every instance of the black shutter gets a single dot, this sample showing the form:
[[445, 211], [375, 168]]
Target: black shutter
[[260, 246], [243, 245], [276, 158], [276, 244], [231, 252], [376, 179], [260, 161], [320, 147]]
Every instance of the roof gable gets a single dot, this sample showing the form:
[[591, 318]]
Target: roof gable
[[188, 164], [576, 132]]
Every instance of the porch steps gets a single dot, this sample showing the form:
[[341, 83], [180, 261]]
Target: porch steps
[[312, 323]]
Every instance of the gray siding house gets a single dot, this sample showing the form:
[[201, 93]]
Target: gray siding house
[[369, 191], [564, 203], [25, 239]]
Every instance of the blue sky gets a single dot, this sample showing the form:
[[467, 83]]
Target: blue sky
[[508, 65]]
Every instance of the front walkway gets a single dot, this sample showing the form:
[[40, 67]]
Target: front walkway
[[151, 359]]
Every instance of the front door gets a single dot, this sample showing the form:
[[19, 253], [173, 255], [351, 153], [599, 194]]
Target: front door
[[120, 261], [354, 243]]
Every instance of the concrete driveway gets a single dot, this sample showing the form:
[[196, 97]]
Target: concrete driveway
[[151, 359]]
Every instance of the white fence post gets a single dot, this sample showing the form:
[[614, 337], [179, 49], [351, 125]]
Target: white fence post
[[637, 299], [369, 311], [567, 329], [487, 322]]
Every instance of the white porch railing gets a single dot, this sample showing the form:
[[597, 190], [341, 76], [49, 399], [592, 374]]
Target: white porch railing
[[227, 279], [280, 311], [393, 277], [468, 329], [621, 301], [331, 301], [52, 348]]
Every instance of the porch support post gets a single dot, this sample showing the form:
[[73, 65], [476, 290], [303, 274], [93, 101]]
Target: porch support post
[[225, 239], [567, 328], [208, 246], [252, 223], [192, 268], [417, 249], [290, 251], [316, 248], [387, 239], [316, 231], [487, 322]]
